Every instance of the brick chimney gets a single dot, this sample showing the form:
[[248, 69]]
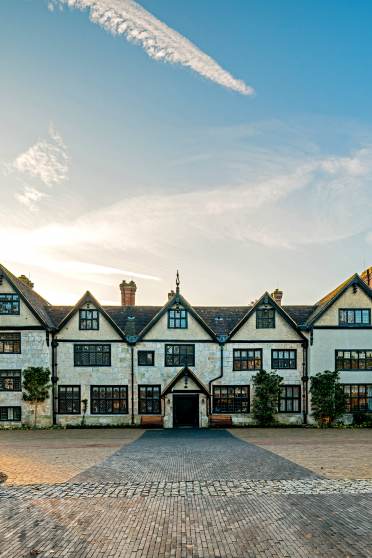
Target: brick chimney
[[128, 293], [277, 295], [26, 281], [366, 275]]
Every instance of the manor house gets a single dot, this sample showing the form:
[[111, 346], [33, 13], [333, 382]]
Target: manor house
[[178, 364]]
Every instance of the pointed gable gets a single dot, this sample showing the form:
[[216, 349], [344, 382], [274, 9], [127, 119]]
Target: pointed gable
[[158, 327], [185, 380], [69, 327], [352, 293], [34, 309], [284, 326]]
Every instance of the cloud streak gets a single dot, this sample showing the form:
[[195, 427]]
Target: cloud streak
[[160, 42], [46, 160]]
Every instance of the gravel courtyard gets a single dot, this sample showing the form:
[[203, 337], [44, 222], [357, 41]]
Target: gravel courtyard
[[186, 493]]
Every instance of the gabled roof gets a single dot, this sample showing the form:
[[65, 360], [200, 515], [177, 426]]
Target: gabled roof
[[185, 372], [266, 298], [88, 297], [178, 298], [37, 304], [328, 300]]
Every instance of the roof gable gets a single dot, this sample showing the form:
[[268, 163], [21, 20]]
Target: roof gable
[[38, 306], [187, 374], [327, 301], [177, 299], [89, 298], [267, 299]]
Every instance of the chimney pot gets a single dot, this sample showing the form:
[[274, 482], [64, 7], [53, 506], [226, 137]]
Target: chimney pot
[[26, 281], [277, 295], [128, 293], [366, 275], [171, 294]]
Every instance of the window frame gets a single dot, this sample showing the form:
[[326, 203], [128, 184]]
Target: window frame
[[11, 376], [254, 369], [354, 324], [227, 411], [106, 399], [351, 369], [283, 359], [64, 386], [147, 386], [142, 352], [11, 407], [180, 319], [349, 408], [260, 318], [18, 300], [91, 345], [18, 341], [81, 319], [287, 399], [185, 364]]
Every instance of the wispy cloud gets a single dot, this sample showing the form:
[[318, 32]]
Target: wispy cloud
[[46, 160], [162, 43], [29, 197], [46, 163]]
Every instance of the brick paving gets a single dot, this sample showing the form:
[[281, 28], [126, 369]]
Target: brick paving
[[334, 453], [243, 502]]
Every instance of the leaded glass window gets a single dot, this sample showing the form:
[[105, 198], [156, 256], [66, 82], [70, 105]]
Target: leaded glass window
[[92, 354], [359, 398], [283, 359], [149, 400], [109, 400], [230, 399], [290, 399], [354, 360], [89, 319], [354, 317], [9, 304], [177, 318], [69, 400], [10, 343], [179, 355], [247, 359], [265, 318], [10, 380]]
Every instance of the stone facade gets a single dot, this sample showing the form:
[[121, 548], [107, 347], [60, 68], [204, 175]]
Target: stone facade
[[313, 334]]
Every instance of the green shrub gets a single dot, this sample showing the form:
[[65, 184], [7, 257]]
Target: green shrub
[[328, 400], [36, 386], [266, 396]]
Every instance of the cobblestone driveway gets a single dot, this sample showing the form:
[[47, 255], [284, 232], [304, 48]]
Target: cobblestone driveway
[[201, 494]]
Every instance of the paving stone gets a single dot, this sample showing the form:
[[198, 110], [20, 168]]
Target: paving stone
[[189, 494]]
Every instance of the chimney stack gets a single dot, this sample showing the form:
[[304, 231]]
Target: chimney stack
[[366, 275], [277, 295], [26, 281], [128, 293]]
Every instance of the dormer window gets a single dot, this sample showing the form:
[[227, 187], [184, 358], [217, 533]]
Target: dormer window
[[354, 317], [89, 319], [9, 304], [177, 318], [265, 318]]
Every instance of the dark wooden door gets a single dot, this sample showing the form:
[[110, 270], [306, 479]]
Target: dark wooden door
[[186, 410]]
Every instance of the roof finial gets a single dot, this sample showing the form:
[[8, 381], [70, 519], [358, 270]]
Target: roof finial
[[177, 282]]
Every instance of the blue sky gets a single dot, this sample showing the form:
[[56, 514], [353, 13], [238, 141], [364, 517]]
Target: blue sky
[[115, 165]]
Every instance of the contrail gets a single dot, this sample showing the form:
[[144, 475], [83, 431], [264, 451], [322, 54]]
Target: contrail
[[126, 17]]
